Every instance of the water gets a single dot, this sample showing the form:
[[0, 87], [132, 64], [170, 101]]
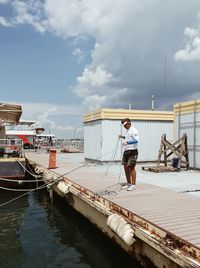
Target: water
[[35, 233]]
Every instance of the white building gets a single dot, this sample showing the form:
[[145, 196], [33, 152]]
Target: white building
[[102, 127], [187, 120]]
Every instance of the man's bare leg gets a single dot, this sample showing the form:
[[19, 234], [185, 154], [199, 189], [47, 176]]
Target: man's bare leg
[[132, 173], [127, 173]]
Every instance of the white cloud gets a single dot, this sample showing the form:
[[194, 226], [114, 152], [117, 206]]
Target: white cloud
[[48, 115], [92, 80], [29, 12], [191, 52], [79, 54], [132, 38], [4, 1], [94, 102], [4, 22]]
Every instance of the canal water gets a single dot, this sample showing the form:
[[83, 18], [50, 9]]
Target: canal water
[[37, 234]]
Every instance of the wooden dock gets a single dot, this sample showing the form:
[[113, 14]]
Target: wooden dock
[[166, 223]]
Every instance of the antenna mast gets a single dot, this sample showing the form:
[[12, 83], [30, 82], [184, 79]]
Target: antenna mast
[[165, 74]]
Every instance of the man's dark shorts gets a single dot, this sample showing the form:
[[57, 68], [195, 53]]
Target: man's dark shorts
[[130, 158]]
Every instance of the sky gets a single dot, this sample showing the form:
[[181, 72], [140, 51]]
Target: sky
[[62, 58]]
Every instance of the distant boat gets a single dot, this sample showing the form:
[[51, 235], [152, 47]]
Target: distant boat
[[31, 135], [12, 161]]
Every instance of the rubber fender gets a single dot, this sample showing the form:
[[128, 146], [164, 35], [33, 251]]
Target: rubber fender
[[109, 219], [118, 225], [38, 170], [63, 187], [128, 237], [48, 176], [115, 223], [112, 221]]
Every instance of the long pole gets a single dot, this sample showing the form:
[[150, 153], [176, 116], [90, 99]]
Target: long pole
[[165, 74]]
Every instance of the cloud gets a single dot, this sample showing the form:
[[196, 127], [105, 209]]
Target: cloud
[[58, 119], [4, 1], [79, 54], [4, 22], [191, 52], [92, 80], [29, 12], [132, 39]]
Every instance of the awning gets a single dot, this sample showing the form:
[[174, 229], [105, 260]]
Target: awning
[[10, 113]]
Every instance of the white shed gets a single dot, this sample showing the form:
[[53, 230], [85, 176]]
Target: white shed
[[102, 127], [187, 120]]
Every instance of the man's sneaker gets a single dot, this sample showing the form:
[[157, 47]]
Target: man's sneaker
[[131, 188], [125, 185]]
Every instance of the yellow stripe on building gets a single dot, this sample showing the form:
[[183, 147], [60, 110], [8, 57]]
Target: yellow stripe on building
[[132, 114], [187, 107]]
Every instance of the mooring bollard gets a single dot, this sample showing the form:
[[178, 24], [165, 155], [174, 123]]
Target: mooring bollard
[[52, 158]]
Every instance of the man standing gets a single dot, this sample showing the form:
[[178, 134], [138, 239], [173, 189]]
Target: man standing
[[130, 145]]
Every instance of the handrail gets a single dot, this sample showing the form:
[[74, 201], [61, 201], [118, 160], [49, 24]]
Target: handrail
[[11, 145]]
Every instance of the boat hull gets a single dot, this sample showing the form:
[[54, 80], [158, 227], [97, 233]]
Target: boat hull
[[12, 169]]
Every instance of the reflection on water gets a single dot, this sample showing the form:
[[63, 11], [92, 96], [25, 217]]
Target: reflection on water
[[35, 233], [11, 217]]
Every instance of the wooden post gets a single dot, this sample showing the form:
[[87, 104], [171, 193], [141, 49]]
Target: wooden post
[[160, 152], [179, 148], [186, 153], [165, 151]]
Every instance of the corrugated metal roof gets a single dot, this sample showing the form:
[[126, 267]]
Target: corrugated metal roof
[[10, 113], [132, 114], [187, 107]]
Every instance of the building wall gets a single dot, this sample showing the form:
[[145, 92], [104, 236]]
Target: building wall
[[93, 140], [150, 133], [189, 122], [111, 145], [106, 134]]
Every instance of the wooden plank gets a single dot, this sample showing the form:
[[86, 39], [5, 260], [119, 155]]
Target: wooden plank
[[160, 169]]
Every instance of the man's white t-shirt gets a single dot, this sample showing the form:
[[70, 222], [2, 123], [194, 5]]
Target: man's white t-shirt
[[132, 138]]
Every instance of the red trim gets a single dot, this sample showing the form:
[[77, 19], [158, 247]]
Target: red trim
[[24, 139]]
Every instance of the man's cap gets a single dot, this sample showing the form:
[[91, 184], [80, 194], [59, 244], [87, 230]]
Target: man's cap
[[125, 121]]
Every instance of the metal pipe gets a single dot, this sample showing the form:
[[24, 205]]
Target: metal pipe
[[152, 102], [194, 132]]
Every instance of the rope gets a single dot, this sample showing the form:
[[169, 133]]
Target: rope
[[46, 184], [105, 191], [112, 157], [33, 175], [119, 177], [30, 191], [12, 180], [19, 190]]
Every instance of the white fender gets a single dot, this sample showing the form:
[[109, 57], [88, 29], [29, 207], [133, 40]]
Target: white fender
[[63, 187], [118, 225]]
